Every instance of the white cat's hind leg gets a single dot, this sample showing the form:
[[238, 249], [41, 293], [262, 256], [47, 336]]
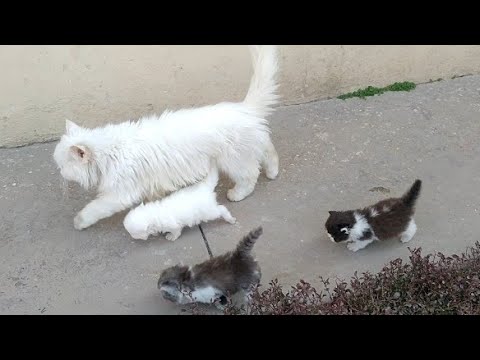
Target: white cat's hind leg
[[243, 187], [270, 161], [243, 171]]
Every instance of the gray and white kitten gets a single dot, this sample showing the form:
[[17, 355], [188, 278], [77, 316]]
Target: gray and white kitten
[[214, 280], [386, 219]]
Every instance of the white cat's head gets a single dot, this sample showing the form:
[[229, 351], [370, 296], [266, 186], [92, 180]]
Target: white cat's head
[[75, 158]]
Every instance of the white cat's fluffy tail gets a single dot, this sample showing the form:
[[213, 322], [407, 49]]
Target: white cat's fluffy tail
[[262, 93]]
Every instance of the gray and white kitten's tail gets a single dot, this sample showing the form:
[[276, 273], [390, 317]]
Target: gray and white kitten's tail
[[245, 245], [262, 93], [411, 196]]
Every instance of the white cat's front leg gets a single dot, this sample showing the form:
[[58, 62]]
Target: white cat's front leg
[[102, 207]]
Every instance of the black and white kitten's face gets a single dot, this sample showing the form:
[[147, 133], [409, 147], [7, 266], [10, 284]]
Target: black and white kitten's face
[[172, 283], [339, 225]]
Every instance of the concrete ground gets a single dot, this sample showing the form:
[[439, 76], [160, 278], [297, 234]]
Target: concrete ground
[[333, 155]]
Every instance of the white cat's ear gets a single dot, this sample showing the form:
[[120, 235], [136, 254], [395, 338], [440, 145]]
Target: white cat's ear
[[81, 153], [70, 126]]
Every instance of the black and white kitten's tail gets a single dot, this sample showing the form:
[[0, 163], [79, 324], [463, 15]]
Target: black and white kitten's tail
[[411, 196], [245, 245]]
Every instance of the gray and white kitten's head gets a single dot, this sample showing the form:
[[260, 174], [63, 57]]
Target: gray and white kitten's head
[[173, 283], [216, 278], [339, 225]]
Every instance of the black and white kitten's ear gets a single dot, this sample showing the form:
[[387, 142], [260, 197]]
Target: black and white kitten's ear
[[81, 153], [71, 127], [332, 212]]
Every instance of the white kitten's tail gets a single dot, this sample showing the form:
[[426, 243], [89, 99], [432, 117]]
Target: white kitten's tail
[[261, 95], [212, 178]]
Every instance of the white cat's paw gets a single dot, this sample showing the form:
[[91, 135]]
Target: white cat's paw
[[233, 195], [80, 223], [143, 237], [272, 173], [232, 220], [171, 237]]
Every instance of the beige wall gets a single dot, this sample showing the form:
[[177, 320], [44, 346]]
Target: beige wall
[[41, 86]]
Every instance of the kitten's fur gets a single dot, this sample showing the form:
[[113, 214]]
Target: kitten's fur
[[189, 206], [146, 159], [215, 279], [386, 219]]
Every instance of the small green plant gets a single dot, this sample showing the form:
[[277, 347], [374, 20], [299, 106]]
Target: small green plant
[[372, 90]]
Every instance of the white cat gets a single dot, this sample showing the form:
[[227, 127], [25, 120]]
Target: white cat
[[146, 159], [189, 206]]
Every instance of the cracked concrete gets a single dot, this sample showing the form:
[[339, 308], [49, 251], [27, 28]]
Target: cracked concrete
[[334, 155]]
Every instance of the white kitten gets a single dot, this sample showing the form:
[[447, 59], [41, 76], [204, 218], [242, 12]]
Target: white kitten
[[189, 206], [135, 161]]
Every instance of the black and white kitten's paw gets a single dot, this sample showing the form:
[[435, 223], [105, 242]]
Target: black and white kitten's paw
[[358, 245], [409, 232], [353, 246]]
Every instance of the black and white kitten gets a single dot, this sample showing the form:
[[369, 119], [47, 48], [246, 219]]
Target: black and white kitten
[[215, 279], [386, 219]]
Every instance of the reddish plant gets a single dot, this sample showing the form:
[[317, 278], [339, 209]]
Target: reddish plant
[[431, 284]]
